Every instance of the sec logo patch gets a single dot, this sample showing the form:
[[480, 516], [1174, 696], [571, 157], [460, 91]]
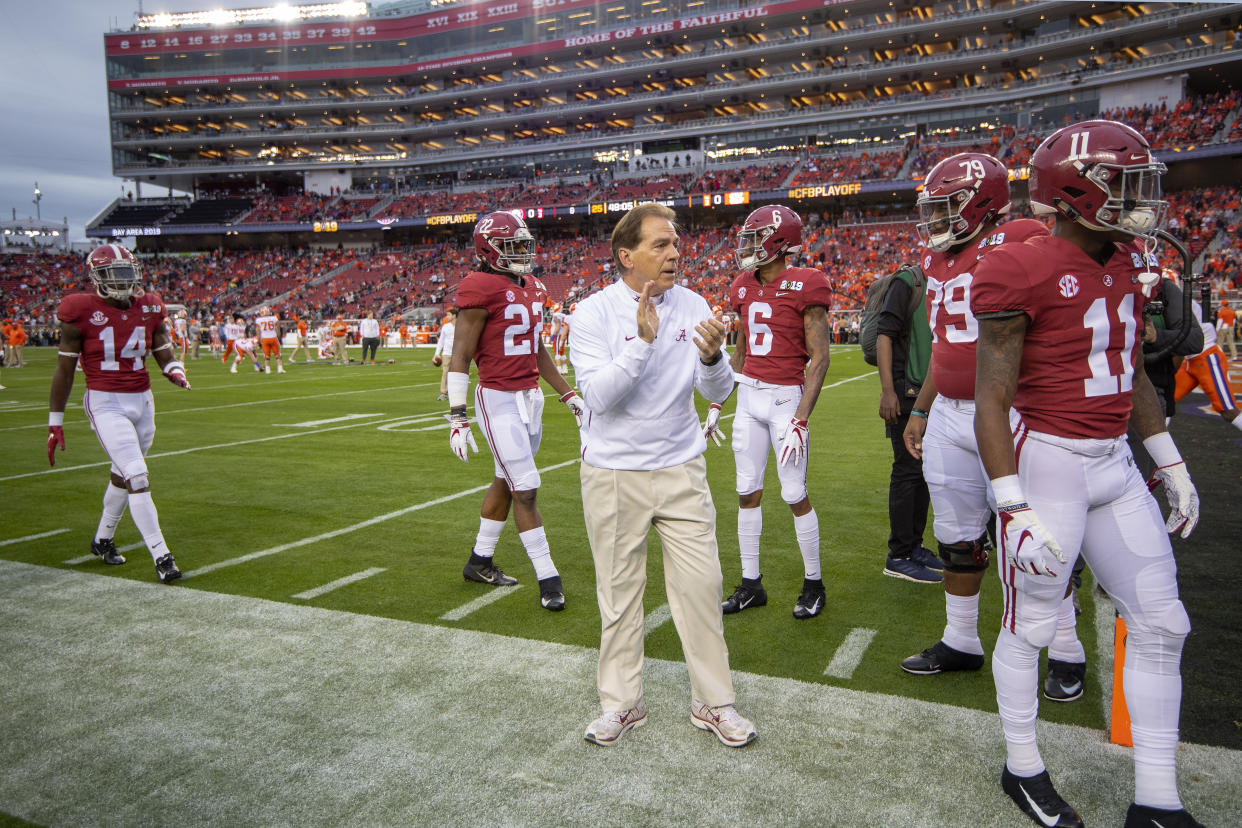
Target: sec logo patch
[[509, 296], [1068, 286], [741, 293], [97, 318]]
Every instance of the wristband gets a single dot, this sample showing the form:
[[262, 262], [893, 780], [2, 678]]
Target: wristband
[[719, 355], [456, 383], [918, 412], [55, 418], [174, 365], [568, 395], [1162, 449], [1008, 490]]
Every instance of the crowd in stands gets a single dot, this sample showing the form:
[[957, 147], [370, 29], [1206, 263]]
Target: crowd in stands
[[1190, 122], [302, 207], [828, 167]]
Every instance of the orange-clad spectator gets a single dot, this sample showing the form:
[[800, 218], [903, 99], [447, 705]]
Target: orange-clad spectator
[[1225, 321], [340, 334], [17, 345], [404, 333], [301, 346]]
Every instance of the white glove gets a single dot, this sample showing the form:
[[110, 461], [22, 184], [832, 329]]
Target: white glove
[[711, 427], [1027, 544], [575, 404], [461, 439], [794, 443], [175, 371], [1171, 471]]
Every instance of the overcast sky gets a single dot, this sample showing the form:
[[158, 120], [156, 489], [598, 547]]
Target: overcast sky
[[54, 128]]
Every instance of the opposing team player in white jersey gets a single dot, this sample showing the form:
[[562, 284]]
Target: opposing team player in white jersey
[[268, 325], [964, 197], [181, 333], [112, 331], [499, 326], [780, 362], [560, 337], [1060, 318]]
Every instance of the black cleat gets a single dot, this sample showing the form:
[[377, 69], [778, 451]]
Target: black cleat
[[1039, 800], [1144, 816], [746, 595], [166, 569], [1065, 680], [811, 601], [482, 571], [551, 594], [941, 658], [106, 549]]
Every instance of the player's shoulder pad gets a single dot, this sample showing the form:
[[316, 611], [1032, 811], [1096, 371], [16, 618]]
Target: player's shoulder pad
[[1020, 229]]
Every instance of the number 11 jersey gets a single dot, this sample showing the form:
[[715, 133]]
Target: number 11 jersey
[[507, 353]]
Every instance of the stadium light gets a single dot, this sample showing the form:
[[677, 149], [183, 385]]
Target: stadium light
[[283, 13]]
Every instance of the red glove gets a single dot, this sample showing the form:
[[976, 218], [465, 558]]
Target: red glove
[[55, 437]]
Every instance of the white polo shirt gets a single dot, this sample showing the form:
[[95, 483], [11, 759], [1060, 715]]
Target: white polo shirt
[[368, 328], [640, 395]]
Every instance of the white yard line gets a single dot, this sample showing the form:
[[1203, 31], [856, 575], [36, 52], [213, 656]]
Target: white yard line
[[84, 558], [32, 537], [59, 469], [493, 595], [850, 654], [262, 553], [339, 582], [656, 618], [313, 423]]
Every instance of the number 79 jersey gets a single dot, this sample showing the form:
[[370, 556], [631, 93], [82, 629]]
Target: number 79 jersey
[[115, 341], [771, 321], [1083, 335], [507, 353]]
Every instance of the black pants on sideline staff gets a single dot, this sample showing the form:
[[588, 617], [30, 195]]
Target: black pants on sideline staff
[[908, 498], [371, 342]]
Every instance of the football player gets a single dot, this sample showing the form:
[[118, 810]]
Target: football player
[[113, 330], [500, 315], [1059, 322], [964, 198], [234, 329], [560, 338], [1209, 371], [181, 333], [780, 362], [268, 325]]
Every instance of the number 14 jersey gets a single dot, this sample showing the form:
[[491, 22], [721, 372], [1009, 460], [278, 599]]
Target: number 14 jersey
[[115, 341], [1083, 335], [507, 353]]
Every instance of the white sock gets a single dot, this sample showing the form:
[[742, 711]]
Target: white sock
[[114, 501], [489, 535], [1154, 702], [806, 527], [1065, 644], [749, 528], [142, 510], [536, 544], [1015, 669], [1237, 423], [961, 630]]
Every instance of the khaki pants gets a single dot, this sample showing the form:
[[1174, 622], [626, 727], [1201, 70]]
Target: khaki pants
[[338, 345], [1226, 341], [620, 508], [444, 363]]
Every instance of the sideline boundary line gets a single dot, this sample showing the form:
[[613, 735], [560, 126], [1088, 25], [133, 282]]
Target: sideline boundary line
[[11, 541]]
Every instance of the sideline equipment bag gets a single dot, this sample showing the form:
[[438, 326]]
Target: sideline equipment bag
[[877, 294]]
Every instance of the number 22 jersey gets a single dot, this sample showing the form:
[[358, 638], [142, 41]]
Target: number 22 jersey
[[507, 353], [1084, 331], [115, 341]]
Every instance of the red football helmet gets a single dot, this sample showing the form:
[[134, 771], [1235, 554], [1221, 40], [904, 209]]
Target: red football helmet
[[115, 272], [1100, 174], [960, 195], [767, 233], [503, 243]]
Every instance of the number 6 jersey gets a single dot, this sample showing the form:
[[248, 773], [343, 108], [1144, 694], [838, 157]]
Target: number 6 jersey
[[771, 319], [1083, 335], [507, 354], [115, 341]]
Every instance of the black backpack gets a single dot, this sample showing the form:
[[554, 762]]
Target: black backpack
[[877, 294]]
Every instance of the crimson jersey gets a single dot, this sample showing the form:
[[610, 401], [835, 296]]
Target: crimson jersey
[[1083, 335], [771, 317], [955, 331], [115, 341], [507, 354]]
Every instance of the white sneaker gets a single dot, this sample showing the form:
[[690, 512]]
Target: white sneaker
[[280, 370], [728, 725], [267, 369], [609, 728], [233, 370]]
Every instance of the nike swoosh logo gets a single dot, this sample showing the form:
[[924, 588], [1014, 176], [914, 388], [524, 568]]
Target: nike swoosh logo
[[1044, 819], [783, 293], [782, 402], [628, 338], [1070, 689], [746, 603]]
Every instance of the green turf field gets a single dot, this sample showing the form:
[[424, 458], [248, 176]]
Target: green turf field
[[333, 487]]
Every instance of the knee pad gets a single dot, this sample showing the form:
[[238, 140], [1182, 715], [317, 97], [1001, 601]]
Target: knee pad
[[1037, 632], [138, 482], [795, 493], [1155, 644], [964, 556]]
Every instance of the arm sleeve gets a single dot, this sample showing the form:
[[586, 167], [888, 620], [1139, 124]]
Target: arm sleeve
[[1173, 321], [604, 381]]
